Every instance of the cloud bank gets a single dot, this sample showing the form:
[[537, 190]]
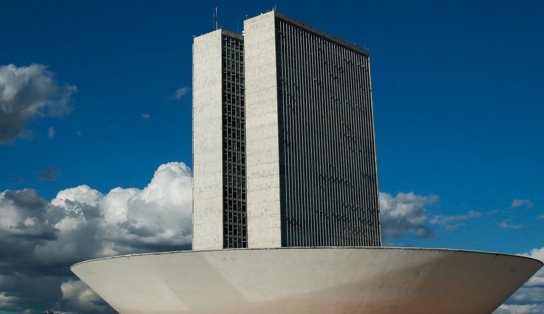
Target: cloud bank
[[28, 92], [39, 239]]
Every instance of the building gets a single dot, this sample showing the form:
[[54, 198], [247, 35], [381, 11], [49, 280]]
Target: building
[[284, 156], [283, 139], [326, 280], [219, 193]]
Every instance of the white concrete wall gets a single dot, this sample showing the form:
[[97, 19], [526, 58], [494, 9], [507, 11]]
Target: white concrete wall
[[262, 145], [207, 143]]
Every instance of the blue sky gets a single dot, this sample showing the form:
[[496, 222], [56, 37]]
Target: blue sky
[[457, 92]]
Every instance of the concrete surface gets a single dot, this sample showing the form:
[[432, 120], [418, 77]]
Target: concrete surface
[[308, 280]]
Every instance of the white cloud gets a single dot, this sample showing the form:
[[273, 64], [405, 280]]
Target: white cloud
[[39, 239], [537, 253], [71, 199], [7, 301], [76, 289], [124, 220], [404, 214], [80, 297], [51, 132], [538, 279], [530, 297], [454, 222], [180, 92], [160, 214], [506, 225], [115, 205], [407, 213], [26, 93], [145, 116], [522, 203], [529, 293], [22, 215], [520, 309]]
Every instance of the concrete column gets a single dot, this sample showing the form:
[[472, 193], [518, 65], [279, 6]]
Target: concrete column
[[262, 143], [207, 142]]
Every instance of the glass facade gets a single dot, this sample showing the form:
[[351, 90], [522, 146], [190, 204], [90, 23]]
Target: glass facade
[[234, 155], [328, 180]]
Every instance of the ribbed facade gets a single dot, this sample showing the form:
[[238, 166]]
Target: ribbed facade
[[292, 109], [328, 177], [234, 155]]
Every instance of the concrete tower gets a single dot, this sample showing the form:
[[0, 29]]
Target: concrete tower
[[285, 157], [219, 187]]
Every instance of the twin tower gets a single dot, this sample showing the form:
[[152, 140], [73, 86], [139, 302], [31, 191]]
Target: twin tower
[[283, 139]]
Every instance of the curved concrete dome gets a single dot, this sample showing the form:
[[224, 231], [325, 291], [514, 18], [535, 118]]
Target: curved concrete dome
[[308, 280]]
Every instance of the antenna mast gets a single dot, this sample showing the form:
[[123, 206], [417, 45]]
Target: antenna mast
[[216, 19]]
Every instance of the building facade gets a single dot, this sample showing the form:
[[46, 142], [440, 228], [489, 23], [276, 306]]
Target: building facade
[[305, 167], [219, 184]]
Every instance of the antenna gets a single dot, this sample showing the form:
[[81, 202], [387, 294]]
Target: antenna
[[216, 19]]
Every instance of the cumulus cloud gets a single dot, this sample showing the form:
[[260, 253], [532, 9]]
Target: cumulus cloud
[[79, 297], [180, 92], [22, 217], [522, 203], [28, 92], [40, 239], [405, 214]]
